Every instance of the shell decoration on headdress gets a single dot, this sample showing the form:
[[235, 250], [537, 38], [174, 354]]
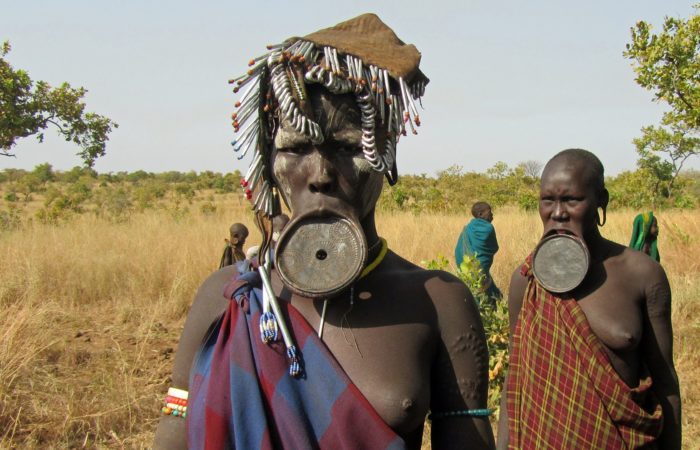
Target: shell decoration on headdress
[[361, 56]]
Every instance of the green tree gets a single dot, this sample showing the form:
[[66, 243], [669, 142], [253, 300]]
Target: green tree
[[28, 108], [677, 146], [632, 189], [44, 172], [668, 64], [77, 173]]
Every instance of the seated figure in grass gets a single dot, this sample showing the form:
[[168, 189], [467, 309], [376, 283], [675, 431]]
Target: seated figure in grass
[[591, 360], [341, 343], [233, 252]]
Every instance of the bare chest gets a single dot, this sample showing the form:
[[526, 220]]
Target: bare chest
[[614, 313], [387, 357]]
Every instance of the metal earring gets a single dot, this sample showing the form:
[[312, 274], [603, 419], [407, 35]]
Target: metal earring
[[597, 218]]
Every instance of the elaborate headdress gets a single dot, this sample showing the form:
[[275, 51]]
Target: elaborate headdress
[[361, 56]]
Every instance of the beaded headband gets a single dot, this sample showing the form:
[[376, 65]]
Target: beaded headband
[[274, 89]]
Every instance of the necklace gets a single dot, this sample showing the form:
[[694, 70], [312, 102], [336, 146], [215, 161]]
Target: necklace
[[369, 268]]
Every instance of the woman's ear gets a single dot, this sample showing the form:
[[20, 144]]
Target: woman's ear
[[604, 199]]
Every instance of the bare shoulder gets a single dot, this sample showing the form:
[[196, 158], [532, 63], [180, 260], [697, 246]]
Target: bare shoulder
[[637, 266], [516, 293], [209, 301], [213, 286], [208, 305], [438, 285], [516, 289]]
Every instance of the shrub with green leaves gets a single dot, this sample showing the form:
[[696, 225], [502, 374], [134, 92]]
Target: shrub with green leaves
[[10, 219]]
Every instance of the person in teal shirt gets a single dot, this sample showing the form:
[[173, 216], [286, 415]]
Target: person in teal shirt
[[479, 238]]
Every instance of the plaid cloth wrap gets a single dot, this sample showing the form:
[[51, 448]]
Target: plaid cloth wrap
[[562, 391], [242, 396]]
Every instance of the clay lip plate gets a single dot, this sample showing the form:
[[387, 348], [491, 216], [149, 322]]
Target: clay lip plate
[[560, 262], [321, 256]]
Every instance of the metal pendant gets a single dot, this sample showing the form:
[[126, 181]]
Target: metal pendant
[[560, 262], [318, 257]]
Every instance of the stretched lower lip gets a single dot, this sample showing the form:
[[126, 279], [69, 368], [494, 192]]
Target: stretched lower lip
[[557, 231]]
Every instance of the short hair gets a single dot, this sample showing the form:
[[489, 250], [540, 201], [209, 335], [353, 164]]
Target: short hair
[[238, 228], [587, 159], [479, 207]]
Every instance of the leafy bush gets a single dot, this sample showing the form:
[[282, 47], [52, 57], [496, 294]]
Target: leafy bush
[[178, 212], [208, 208], [10, 219], [528, 201], [494, 315], [115, 203], [185, 190]]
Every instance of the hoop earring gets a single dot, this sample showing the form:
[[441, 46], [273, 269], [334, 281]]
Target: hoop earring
[[597, 218]]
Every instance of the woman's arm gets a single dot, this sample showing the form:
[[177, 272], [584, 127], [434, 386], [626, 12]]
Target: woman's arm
[[657, 349], [459, 381], [208, 305]]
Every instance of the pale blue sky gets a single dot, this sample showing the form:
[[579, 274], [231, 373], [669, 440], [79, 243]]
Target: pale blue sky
[[510, 80]]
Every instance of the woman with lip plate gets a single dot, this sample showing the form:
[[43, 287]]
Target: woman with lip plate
[[340, 343], [591, 368]]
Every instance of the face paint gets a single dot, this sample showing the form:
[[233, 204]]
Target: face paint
[[330, 188]]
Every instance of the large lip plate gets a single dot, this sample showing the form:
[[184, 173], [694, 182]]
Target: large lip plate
[[560, 262], [305, 274]]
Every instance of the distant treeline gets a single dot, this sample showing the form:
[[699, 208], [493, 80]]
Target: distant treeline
[[453, 190]]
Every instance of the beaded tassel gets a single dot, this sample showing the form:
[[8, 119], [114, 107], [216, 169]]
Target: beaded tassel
[[268, 327], [295, 367], [295, 361], [269, 332]]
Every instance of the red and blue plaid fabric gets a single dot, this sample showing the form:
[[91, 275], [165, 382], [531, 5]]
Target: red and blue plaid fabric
[[563, 392], [242, 396]]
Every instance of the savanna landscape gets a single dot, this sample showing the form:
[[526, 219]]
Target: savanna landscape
[[94, 293], [98, 270]]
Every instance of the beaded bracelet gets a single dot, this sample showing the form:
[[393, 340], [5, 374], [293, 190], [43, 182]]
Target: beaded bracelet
[[175, 403], [485, 412], [174, 412]]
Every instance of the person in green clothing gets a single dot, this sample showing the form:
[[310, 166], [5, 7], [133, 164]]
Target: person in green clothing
[[645, 231]]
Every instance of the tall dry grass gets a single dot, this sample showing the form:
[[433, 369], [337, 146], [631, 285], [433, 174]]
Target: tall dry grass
[[91, 310]]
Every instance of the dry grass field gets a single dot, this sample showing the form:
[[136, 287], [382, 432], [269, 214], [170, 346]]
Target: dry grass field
[[91, 310]]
